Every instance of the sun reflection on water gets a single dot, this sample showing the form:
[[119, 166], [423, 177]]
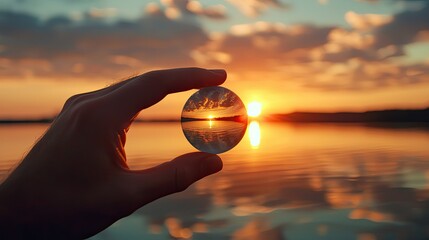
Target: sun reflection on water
[[373, 180], [254, 134]]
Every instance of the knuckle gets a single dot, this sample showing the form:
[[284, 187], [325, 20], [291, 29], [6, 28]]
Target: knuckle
[[84, 112], [151, 74], [73, 100], [87, 108], [195, 69]]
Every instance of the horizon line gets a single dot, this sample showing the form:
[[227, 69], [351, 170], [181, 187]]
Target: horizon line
[[387, 115]]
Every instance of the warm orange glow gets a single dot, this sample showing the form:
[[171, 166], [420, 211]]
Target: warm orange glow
[[254, 134], [254, 109], [210, 117]]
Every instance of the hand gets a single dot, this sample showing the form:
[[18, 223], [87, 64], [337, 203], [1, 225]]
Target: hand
[[75, 181]]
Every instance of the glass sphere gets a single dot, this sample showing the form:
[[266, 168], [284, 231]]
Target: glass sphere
[[214, 120]]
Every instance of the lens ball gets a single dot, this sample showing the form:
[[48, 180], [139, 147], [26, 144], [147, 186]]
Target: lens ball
[[214, 120]]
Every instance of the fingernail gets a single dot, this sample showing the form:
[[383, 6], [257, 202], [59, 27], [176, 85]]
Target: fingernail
[[213, 164], [219, 72]]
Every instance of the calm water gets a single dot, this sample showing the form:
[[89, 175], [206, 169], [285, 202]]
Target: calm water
[[282, 181], [214, 136]]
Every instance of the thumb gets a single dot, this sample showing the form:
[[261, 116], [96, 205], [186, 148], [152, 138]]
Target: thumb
[[176, 175]]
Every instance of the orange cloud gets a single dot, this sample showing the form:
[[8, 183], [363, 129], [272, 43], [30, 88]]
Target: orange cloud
[[366, 21], [253, 8]]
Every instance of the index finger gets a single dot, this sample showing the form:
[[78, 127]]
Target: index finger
[[149, 88]]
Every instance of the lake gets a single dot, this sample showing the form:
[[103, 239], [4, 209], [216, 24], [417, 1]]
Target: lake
[[282, 181]]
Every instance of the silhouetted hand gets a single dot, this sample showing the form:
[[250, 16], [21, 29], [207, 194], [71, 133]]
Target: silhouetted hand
[[75, 181]]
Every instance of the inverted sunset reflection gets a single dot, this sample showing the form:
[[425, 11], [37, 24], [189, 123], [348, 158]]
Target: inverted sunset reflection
[[254, 134]]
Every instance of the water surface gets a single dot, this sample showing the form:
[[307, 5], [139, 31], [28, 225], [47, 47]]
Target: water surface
[[282, 181]]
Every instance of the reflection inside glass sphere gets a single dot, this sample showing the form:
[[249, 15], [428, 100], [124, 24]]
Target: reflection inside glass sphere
[[214, 119]]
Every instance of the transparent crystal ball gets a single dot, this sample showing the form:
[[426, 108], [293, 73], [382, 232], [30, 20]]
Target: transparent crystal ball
[[214, 120]]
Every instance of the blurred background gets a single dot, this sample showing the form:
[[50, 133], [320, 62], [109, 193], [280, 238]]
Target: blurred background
[[285, 179]]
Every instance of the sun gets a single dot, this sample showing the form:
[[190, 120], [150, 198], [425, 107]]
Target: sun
[[210, 117], [254, 109]]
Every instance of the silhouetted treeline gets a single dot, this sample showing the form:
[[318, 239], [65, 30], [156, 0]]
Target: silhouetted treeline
[[412, 116], [26, 121], [351, 117]]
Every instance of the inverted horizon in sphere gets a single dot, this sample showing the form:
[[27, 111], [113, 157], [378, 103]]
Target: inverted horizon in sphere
[[214, 120]]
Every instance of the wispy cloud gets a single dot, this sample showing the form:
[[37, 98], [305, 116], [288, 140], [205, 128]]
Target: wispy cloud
[[266, 45], [92, 47], [254, 8], [363, 55], [175, 9]]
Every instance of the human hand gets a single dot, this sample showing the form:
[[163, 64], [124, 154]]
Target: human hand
[[75, 181]]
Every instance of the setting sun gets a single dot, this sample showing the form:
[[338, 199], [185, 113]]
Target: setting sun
[[254, 109], [210, 116]]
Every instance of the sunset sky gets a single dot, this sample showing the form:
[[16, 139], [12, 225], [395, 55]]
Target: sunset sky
[[308, 55]]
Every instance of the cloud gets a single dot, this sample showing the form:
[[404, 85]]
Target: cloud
[[323, 58], [376, 37], [366, 21], [319, 57], [213, 12], [357, 74], [346, 44], [175, 9], [403, 28], [263, 45], [254, 8], [93, 47], [102, 12]]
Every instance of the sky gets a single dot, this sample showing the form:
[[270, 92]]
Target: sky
[[312, 55]]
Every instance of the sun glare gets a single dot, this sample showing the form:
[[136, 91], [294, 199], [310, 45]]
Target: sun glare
[[254, 134], [210, 116], [254, 109]]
